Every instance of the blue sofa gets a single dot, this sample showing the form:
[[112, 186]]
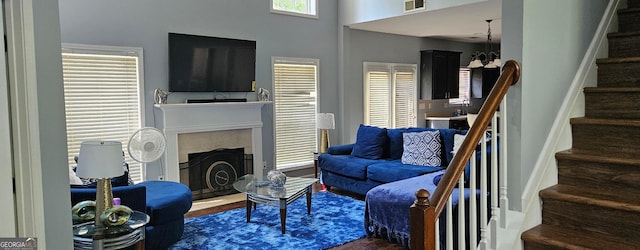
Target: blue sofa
[[343, 169], [165, 202]]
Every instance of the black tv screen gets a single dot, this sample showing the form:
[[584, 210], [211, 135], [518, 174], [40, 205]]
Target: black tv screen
[[211, 64]]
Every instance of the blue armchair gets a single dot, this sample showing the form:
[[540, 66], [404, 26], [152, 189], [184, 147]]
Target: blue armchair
[[165, 202]]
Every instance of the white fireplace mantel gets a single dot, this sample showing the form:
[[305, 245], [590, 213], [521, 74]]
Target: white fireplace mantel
[[175, 119]]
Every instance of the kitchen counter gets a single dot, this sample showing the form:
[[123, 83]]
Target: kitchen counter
[[445, 118], [455, 122]]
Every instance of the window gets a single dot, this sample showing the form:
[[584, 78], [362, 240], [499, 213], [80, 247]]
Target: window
[[102, 96], [295, 106], [464, 89], [304, 8], [390, 94]]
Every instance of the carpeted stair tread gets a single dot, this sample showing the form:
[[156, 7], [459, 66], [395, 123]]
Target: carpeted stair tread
[[580, 156], [605, 122], [618, 60], [552, 237], [610, 90], [623, 34], [628, 10], [594, 196]]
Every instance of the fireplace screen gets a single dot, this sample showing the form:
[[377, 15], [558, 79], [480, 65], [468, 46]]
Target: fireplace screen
[[211, 174]]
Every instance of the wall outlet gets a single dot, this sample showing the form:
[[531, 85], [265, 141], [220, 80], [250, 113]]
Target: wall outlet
[[161, 178]]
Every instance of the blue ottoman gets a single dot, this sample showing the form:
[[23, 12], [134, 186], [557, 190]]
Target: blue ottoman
[[167, 202]]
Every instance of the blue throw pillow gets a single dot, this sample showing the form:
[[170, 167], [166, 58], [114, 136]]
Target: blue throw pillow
[[370, 142], [422, 148]]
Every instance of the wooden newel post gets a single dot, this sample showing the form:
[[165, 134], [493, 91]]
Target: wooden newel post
[[423, 223]]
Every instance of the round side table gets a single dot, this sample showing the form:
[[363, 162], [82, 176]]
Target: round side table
[[88, 236]]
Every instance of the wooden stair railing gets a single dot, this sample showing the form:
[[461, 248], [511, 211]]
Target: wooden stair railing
[[427, 208]]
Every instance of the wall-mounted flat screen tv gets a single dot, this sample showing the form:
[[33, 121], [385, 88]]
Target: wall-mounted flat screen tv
[[211, 64]]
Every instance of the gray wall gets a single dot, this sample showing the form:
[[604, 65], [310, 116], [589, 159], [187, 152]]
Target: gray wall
[[549, 38], [364, 46], [145, 23]]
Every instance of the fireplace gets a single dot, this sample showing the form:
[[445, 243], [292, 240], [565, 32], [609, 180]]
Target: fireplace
[[211, 174], [178, 120]]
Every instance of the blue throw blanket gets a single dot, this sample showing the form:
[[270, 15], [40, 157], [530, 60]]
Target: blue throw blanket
[[387, 207]]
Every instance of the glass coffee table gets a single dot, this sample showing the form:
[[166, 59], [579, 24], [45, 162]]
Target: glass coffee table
[[259, 191]]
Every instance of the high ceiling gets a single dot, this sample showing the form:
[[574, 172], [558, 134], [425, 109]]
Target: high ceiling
[[466, 23]]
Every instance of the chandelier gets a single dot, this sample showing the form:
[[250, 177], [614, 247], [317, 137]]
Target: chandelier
[[487, 58]]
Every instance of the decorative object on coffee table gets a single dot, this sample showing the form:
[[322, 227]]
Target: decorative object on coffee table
[[276, 179]]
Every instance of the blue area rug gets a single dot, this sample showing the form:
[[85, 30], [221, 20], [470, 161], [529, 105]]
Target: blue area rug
[[334, 220]]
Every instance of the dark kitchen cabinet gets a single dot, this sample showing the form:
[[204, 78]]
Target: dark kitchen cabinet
[[439, 74], [482, 81]]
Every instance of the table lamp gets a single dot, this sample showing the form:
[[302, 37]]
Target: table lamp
[[101, 160], [325, 122]]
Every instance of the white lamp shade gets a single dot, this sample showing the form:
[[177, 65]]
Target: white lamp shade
[[100, 159], [325, 121], [491, 65], [497, 62], [475, 64]]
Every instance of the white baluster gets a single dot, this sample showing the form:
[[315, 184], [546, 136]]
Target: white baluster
[[504, 199], [449, 220], [493, 223], [437, 233], [473, 216], [484, 191], [461, 214]]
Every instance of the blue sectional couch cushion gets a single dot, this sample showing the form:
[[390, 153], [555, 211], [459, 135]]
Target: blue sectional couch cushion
[[344, 149], [348, 165], [394, 170], [370, 142]]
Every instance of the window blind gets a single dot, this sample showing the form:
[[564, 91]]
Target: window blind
[[295, 104], [464, 88], [102, 102], [405, 97], [390, 95], [377, 98]]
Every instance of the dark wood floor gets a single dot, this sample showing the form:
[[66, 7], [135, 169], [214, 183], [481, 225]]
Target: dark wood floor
[[365, 243]]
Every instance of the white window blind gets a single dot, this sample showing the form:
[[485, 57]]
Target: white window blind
[[390, 94], [295, 104], [464, 89], [377, 98], [102, 98], [405, 97]]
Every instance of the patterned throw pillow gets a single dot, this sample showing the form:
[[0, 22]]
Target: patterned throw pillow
[[422, 148]]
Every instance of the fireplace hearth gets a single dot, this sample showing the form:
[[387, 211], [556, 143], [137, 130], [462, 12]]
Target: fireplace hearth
[[211, 174]]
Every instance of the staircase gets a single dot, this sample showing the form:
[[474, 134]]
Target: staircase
[[596, 203]]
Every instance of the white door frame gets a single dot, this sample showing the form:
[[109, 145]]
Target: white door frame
[[25, 131], [7, 206]]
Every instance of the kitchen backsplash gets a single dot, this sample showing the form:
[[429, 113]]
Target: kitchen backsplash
[[441, 107]]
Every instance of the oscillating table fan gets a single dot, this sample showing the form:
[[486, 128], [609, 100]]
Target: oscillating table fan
[[146, 144]]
